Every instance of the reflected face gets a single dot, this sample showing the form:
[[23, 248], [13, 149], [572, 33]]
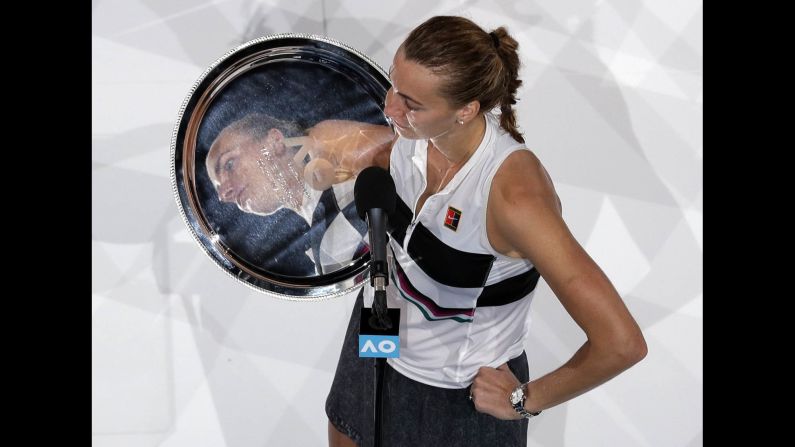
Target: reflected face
[[414, 104], [243, 172]]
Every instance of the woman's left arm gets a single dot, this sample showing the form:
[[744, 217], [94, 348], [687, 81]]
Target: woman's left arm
[[524, 220]]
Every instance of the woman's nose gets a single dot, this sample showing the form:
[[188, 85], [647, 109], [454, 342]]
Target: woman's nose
[[392, 107]]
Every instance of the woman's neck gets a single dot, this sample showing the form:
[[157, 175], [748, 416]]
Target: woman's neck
[[458, 146]]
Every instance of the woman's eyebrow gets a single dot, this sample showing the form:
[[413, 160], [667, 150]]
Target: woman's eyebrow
[[405, 96]]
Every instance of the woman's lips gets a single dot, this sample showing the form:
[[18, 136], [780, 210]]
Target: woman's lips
[[239, 197]]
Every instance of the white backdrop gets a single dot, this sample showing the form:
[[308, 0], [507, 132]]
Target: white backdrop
[[612, 104]]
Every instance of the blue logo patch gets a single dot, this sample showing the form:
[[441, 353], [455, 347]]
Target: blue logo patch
[[384, 346]]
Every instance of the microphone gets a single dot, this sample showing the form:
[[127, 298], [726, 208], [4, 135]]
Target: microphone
[[375, 196]]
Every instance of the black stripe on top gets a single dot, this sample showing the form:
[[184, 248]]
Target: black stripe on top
[[509, 290], [457, 268], [445, 264], [504, 292]]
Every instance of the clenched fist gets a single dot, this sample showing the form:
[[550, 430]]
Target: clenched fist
[[492, 389], [340, 149]]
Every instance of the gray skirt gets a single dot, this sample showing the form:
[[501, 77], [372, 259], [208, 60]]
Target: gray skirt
[[414, 414]]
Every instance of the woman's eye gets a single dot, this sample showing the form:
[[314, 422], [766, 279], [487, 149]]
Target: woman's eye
[[229, 165]]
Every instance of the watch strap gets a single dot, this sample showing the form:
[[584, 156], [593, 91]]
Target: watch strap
[[519, 406]]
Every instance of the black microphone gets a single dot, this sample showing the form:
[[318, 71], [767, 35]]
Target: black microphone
[[375, 196]]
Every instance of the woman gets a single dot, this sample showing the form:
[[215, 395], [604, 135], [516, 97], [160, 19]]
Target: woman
[[478, 221], [253, 164]]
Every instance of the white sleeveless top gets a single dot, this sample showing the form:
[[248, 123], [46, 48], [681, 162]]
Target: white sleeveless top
[[462, 304]]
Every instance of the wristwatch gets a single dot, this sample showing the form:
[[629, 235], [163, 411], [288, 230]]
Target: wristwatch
[[517, 399]]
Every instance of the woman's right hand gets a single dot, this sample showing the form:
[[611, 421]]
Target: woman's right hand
[[340, 149]]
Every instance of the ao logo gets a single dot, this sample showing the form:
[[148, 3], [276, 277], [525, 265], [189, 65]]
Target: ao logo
[[385, 346], [379, 346]]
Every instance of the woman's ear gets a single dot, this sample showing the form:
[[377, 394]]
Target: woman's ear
[[468, 112], [275, 140]]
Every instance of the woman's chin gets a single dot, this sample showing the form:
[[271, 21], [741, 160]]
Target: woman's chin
[[249, 206], [406, 132]]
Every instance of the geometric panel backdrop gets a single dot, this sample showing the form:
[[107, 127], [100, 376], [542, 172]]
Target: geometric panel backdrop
[[612, 103]]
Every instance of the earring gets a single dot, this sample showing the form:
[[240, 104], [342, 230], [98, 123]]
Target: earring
[[461, 122]]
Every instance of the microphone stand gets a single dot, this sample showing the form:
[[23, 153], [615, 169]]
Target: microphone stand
[[379, 320]]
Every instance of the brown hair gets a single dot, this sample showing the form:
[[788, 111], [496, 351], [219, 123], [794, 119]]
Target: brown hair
[[477, 65]]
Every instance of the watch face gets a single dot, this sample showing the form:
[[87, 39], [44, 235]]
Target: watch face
[[516, 396]]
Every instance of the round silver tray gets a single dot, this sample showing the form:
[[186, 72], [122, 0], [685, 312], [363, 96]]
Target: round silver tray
[[296, 78]]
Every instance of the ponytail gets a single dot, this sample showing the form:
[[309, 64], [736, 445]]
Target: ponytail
[[507, 50]]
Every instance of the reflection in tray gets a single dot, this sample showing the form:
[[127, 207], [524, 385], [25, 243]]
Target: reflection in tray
[[255, 182]]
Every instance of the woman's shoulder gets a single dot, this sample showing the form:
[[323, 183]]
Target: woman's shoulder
[[518, 163], [522, 177]]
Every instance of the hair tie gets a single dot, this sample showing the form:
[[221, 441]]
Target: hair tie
[[495, 39]]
